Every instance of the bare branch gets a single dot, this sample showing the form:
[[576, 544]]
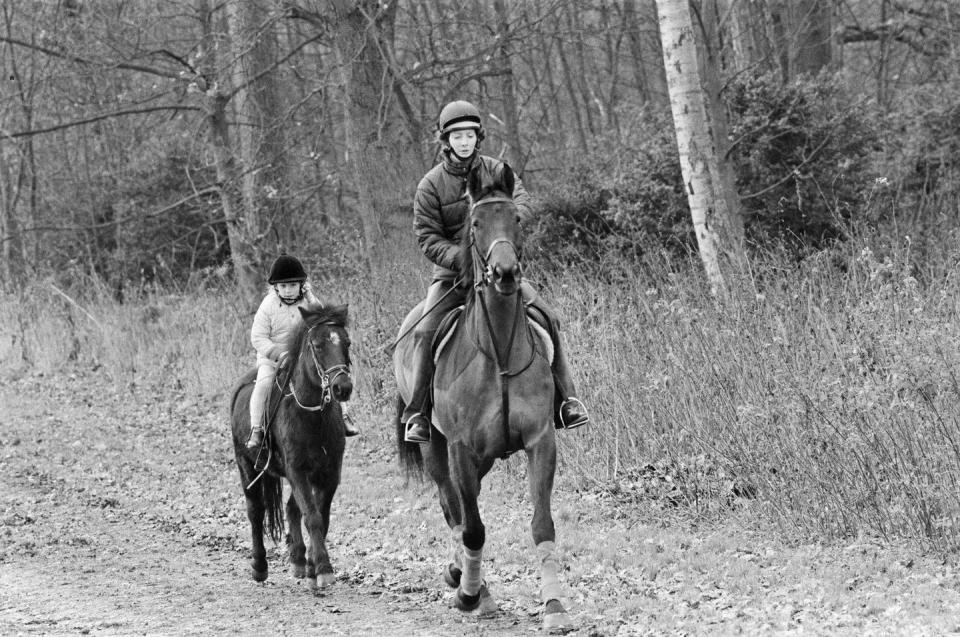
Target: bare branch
[[80, 60], [97, 118]]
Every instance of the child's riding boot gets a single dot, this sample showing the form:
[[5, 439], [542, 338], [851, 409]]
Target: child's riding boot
[[349, 428], [256, 437]]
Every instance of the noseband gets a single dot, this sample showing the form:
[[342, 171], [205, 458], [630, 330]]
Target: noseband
[[327, 376]]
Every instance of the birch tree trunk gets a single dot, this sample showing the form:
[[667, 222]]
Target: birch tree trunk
[[713, 208]]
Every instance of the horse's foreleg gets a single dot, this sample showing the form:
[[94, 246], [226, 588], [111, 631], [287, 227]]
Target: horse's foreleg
[[295, 539], [472, 593], [314, 505], [541, 464]]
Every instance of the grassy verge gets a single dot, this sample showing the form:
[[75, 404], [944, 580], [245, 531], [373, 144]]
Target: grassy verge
[[824, 392]]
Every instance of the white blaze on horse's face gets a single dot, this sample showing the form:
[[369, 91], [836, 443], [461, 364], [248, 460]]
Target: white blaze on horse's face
[[335, 338]]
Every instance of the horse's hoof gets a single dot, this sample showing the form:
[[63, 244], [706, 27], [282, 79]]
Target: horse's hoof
[[555, 618], [299, 571], [482, 601], [451, 575], [258, 576]]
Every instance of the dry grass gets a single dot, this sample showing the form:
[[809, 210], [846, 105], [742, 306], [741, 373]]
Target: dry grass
[[825, 393]]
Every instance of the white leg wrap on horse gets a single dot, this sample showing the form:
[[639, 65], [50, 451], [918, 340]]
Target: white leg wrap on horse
[[549, 582], [471, 579]]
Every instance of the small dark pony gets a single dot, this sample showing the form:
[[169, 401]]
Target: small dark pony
[[305, 443], [493, 395]]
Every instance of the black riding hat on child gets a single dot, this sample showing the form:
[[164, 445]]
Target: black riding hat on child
[[287, 269]]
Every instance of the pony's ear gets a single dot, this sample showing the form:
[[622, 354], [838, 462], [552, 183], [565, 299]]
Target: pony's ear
[[508, 179]]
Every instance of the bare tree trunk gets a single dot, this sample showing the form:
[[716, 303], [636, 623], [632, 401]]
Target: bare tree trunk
[[716, 222], [514, 153], [636, 48], [811, 27], [362, 69], [215, 86], [260, 134]]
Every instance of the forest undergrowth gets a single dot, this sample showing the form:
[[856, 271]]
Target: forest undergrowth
[[823, 391]]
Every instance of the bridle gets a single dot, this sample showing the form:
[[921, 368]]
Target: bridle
[[484, 259], [327, 376]]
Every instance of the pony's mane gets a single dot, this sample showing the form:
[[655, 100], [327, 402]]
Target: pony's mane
[[316, 314]]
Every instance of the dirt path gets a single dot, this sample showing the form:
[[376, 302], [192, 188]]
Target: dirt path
[[112, 522]]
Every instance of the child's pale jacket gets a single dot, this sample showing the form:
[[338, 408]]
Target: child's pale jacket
[[273, 324]]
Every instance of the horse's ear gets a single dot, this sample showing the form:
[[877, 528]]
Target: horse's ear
[[474, 183], [508, 179]]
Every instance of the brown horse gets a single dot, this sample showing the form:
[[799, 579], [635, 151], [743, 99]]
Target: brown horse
[[493, 395], [305, 444]]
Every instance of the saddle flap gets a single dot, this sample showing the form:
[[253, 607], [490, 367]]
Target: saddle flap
[[445, 329]]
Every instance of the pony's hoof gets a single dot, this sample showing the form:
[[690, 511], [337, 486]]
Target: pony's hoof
[[555, 618], [258, 571], [451, 575], [299, 571]]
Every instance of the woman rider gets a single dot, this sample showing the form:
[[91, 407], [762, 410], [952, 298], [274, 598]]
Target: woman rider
[[439, 211]]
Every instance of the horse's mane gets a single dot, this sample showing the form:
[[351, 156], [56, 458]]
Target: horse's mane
[[316, 314]]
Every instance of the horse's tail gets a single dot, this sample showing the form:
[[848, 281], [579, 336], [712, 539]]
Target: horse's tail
[[273, 501], [410, 457]]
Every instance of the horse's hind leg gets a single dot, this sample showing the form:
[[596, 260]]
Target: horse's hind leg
[[295, 543], [256, 508], [541, 464], [437, 467]]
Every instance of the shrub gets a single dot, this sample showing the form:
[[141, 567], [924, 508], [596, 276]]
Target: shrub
[[802, 154]]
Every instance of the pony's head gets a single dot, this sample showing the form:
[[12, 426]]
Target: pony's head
[[492, 240], [322, 347]]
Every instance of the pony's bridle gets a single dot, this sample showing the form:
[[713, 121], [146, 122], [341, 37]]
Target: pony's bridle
[[327, 376]]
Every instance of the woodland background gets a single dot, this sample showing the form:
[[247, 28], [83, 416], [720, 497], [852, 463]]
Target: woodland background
[[156, 156]]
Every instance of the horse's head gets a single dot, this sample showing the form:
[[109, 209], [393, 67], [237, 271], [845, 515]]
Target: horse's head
[[324, 350], [493, 234]]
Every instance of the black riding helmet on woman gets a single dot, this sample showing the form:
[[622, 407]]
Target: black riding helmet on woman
[[439, 212]]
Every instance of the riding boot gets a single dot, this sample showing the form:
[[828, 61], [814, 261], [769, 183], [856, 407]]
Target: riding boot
[[569, 412], [349, 427], [416, 416], [256, 437]]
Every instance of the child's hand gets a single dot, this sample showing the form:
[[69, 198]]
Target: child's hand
[[282, 359]]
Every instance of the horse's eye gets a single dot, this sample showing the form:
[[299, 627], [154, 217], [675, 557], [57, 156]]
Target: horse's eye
[[475, 223]]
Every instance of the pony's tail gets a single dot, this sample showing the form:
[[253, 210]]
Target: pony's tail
[[410, 457], [273, 501]]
